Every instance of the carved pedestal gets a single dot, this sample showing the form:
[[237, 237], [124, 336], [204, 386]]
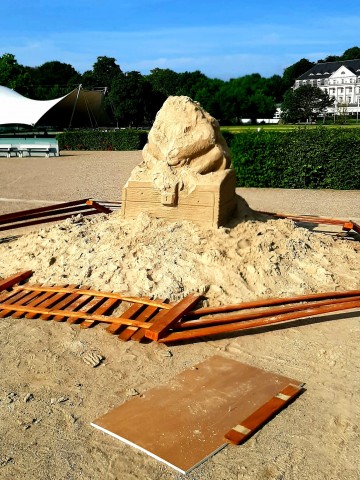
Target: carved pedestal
[[209, 204]]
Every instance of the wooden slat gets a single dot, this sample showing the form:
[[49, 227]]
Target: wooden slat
[[119, 296], [14, 279], [32, 211], [356, 227], [87, 316], [54, 213], [5, 295], [71, 303], [163, 324], [8, 307], [139, 335], [241, 432], [40, 301], [307, 218], [237, 326], [207, 321], [92, 304], [28, 301], [268, 302], [130, 313], [44, 220], [98, 206], [57, 302], [46, 302], [107, 306], [144, 316]]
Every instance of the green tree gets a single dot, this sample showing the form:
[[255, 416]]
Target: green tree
[[294, 71], [208, 95], [16, 76], [352, 53], [104, 71], [53, 79], [246, 97], [133, 100], [274, 87], [164, 81], [9, 70], [305, 103], [190, 82]]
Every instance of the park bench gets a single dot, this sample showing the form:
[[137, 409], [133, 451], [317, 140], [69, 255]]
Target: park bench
[[6, 148], [29, 148]]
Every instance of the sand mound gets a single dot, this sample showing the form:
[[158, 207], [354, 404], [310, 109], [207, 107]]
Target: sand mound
[[49, 394], [147, 256]]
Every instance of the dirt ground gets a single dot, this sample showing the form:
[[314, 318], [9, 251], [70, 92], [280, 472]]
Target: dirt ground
[[49, 394]]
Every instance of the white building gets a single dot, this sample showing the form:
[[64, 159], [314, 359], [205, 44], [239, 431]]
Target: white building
[[341, 80]]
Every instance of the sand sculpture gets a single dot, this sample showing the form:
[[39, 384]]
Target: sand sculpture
[[186, 170]]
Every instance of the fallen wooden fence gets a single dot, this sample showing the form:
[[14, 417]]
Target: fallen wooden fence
[[55, 213], [346, 225], [88, 307], [144, 318]]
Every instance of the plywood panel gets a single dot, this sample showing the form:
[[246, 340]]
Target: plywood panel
[[184, 422]]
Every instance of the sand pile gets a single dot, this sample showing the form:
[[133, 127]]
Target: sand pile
[[152, 257]]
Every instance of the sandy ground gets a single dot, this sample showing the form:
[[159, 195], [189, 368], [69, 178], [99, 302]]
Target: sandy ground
[[49, 394]]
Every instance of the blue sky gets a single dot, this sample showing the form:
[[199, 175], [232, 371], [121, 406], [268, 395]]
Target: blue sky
[[223, 39]]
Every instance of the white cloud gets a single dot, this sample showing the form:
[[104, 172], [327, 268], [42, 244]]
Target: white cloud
[[223, 51]]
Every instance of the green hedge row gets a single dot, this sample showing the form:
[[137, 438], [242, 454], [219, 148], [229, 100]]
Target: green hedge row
[[127, 139], [302, 158]]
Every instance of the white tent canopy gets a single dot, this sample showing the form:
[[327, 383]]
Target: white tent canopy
[[78, 108]]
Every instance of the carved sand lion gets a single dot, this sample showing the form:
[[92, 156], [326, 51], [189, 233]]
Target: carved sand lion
[[184, 134], [185, 158]]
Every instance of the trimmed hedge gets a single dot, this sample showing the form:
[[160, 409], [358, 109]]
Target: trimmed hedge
[[127, 139], [303, 158]]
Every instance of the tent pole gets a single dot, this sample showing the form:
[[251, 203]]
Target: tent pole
[[73, 111], [90, 112]]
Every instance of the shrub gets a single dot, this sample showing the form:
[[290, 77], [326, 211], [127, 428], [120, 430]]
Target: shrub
[[127, 139], [301, 158]]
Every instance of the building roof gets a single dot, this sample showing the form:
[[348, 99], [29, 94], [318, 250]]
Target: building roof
[[79, 108], [325, 70]]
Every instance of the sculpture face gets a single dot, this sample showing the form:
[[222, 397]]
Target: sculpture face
[[184, 135]]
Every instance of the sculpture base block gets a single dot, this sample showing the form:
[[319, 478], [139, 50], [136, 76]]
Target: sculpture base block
[[209, 205]]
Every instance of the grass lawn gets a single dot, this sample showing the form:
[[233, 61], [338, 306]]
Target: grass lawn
[[281, 128]]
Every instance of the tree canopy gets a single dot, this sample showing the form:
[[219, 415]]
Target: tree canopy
[[134, 99], [305, 103]]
